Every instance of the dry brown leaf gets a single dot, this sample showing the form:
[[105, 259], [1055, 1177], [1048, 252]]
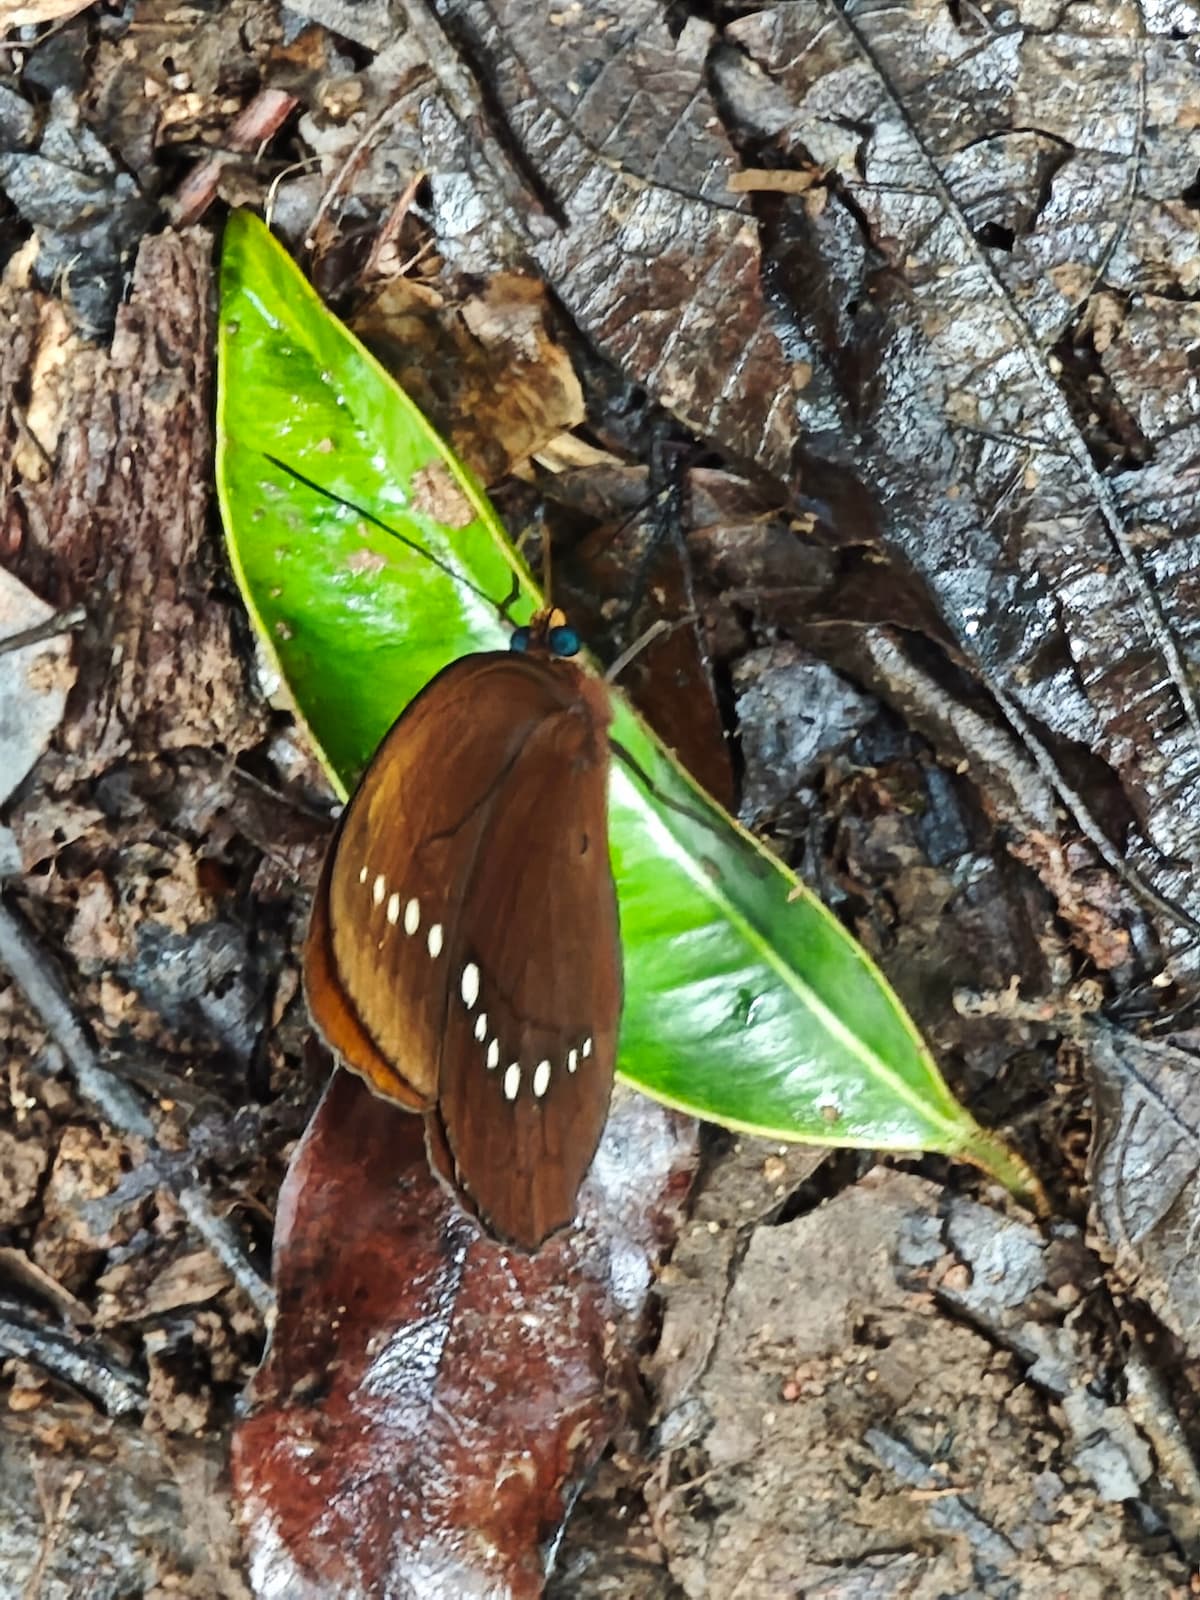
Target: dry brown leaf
[[486, 372], [568, 452], [766, 180], [28, 15]]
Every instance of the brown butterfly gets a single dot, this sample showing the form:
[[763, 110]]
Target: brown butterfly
[[464, 954]]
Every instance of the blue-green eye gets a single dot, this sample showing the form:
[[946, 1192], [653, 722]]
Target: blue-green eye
[[519, 640], [563, 642]]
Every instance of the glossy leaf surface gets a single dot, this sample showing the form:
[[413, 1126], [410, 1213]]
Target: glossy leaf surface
[[431, 1402], [746, 1001]]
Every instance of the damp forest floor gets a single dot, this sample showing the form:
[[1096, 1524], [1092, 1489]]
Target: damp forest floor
[[857, 344]]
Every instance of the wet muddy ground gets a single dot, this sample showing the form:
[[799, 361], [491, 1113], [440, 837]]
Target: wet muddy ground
[[861, 344]]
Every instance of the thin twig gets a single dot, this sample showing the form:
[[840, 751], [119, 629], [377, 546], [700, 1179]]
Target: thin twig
[[118, 1389], [1128, 874], [32, 974], [653, 632], [53, 1517], [119, 1105], [360, 148], [386, 238], [222, 1241], [60, 622]]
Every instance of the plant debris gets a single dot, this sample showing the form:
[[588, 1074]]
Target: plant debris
[[858, 348]]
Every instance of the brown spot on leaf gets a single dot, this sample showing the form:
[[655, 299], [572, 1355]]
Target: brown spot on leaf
[[365, 561], [437, 494]]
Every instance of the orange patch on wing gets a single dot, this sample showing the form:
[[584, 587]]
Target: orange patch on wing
[[336, 1019]]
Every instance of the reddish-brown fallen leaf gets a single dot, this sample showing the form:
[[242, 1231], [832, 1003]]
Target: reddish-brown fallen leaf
[[635, 566], [431, 1400], [255, 126]]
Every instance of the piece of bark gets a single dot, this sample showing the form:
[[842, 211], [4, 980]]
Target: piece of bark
[[116, 516]]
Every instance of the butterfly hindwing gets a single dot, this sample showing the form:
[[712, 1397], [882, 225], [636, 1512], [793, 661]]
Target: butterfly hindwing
[[531, 1034]]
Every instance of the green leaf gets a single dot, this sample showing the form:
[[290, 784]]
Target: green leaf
[[746, 1001]]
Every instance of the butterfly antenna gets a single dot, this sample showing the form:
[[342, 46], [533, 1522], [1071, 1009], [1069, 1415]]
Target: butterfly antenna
[[547, 570], [413, 544]]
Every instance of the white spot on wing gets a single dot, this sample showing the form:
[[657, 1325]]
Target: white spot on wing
[[481, 1026], [512, 1080], [362, 876], [541, 1078], [380, 889], [587, 1047], [434, 940], [572, 1060], [493, 1055], [470, 984], [393, 911], [412, 917]]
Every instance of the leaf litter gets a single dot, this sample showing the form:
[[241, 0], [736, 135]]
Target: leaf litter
[[1000, 210]]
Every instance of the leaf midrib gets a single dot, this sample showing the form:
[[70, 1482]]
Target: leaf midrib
[[669, 845]]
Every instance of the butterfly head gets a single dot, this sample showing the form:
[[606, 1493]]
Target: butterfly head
[[548, 633]]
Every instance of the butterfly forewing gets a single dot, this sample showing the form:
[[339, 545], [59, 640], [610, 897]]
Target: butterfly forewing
[[403, 852], [466, 927]]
